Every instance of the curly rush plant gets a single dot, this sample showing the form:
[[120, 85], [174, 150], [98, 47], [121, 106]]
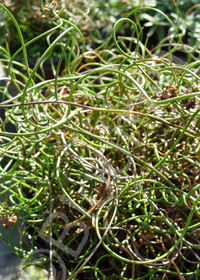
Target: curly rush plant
[[100, 176]]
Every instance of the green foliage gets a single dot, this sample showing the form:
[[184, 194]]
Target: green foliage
[[96, 18], [107, 148]]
